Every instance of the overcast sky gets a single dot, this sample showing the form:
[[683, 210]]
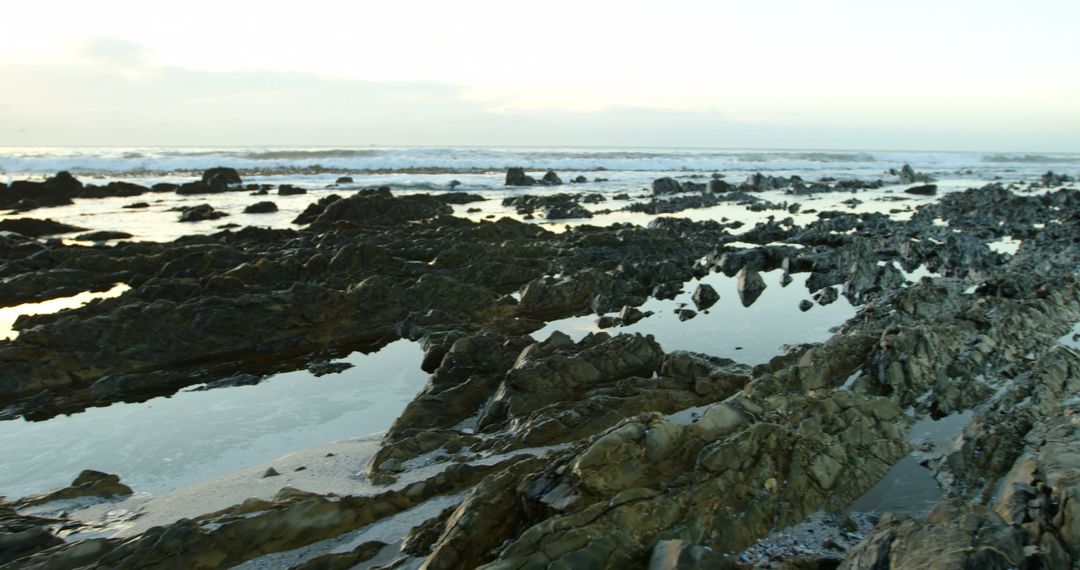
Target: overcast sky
[[922, 75]]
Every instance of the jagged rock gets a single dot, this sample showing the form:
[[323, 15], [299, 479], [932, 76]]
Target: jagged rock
[[666, 185], [909, 176], [220, 176], [826, 296], [261, 208], [705, 296], [953, 535], [1049, 180], [200, 213], [314, 210], [750, 286], [88, 484], [54, 191], [517, 177], [805, 305], [685, 314], [630, 315], [551, 179]]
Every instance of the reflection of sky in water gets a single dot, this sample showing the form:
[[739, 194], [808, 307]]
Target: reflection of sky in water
[[908, 487], [752, 335], [166, 443], [8, 315]]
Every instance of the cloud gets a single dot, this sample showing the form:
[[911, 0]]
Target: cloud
[[118, 95], [110, 50]]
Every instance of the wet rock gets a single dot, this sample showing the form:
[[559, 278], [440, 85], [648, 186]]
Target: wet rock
[[344, 180], [826, 296], [517, 177], [553, 207], [579, 179], [750, 286], [88, 484], [805, 305], [909, 176], [685, 314], [378, 208], [261, 208], [103, 236], [923, 190], [344, 560], [57, 190], [36, 228], [630, 315], [1050, 180], [200, 213], [220, 176], [290, 190], [319, 369], [953, 535], [136, 206], [705, 296], [314, 210], [551, 179], [666, 185]]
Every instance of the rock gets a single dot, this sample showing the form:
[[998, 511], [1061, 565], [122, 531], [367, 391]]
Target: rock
[[112, 189], [666, 185], [579, 179], [88, 484], [553, 207], [826, 296], [136, 206], [685, 314], [314, 210], [200, 213], [750, 286], [630, 315], [54, 191], [270, 472], [103, 236], [705, 296], [682, 555], [378, 208], [220, 177], [551, 179], [261, 208], [909, 176], [517, 177], [923, 190], [290, 190], [1049, 180], [806, 304], [36, 228], [344, 180], [720, 186]]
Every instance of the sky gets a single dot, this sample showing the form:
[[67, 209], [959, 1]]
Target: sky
[[990, 75]]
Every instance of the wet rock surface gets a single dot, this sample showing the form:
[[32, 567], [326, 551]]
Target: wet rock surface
[[607, 451]]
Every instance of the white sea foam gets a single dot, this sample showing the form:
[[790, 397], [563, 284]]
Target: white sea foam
[[45, 160]]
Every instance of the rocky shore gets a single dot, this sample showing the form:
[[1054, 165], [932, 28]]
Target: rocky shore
[[608, 451]]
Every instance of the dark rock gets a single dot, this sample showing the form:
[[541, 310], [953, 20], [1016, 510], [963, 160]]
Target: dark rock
[[55, 191], [270, 472], [551, 179], [579, 179], [314, 210], [1049, 180], [719, 186], [201, 213], [261, 208], [199, 187], [290, 190], [221, 176], [459, 198], [750, 286], [909, 176], [103, 236], [89, 483], [319, 369], [923, 190], [36, 228], [164, 187], [344, 180], [705, 296], [554, 207], [517, 177], [378, 208], [630, 315], [136, 206], [805, 305], [666, 185], [112, 189], [826, 296], [685, 314]]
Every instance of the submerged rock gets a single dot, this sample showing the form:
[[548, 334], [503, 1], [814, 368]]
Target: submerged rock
[[36, 228], [200, 213]]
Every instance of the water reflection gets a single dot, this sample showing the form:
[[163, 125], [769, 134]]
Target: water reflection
[[752, 335], [166, 443]]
